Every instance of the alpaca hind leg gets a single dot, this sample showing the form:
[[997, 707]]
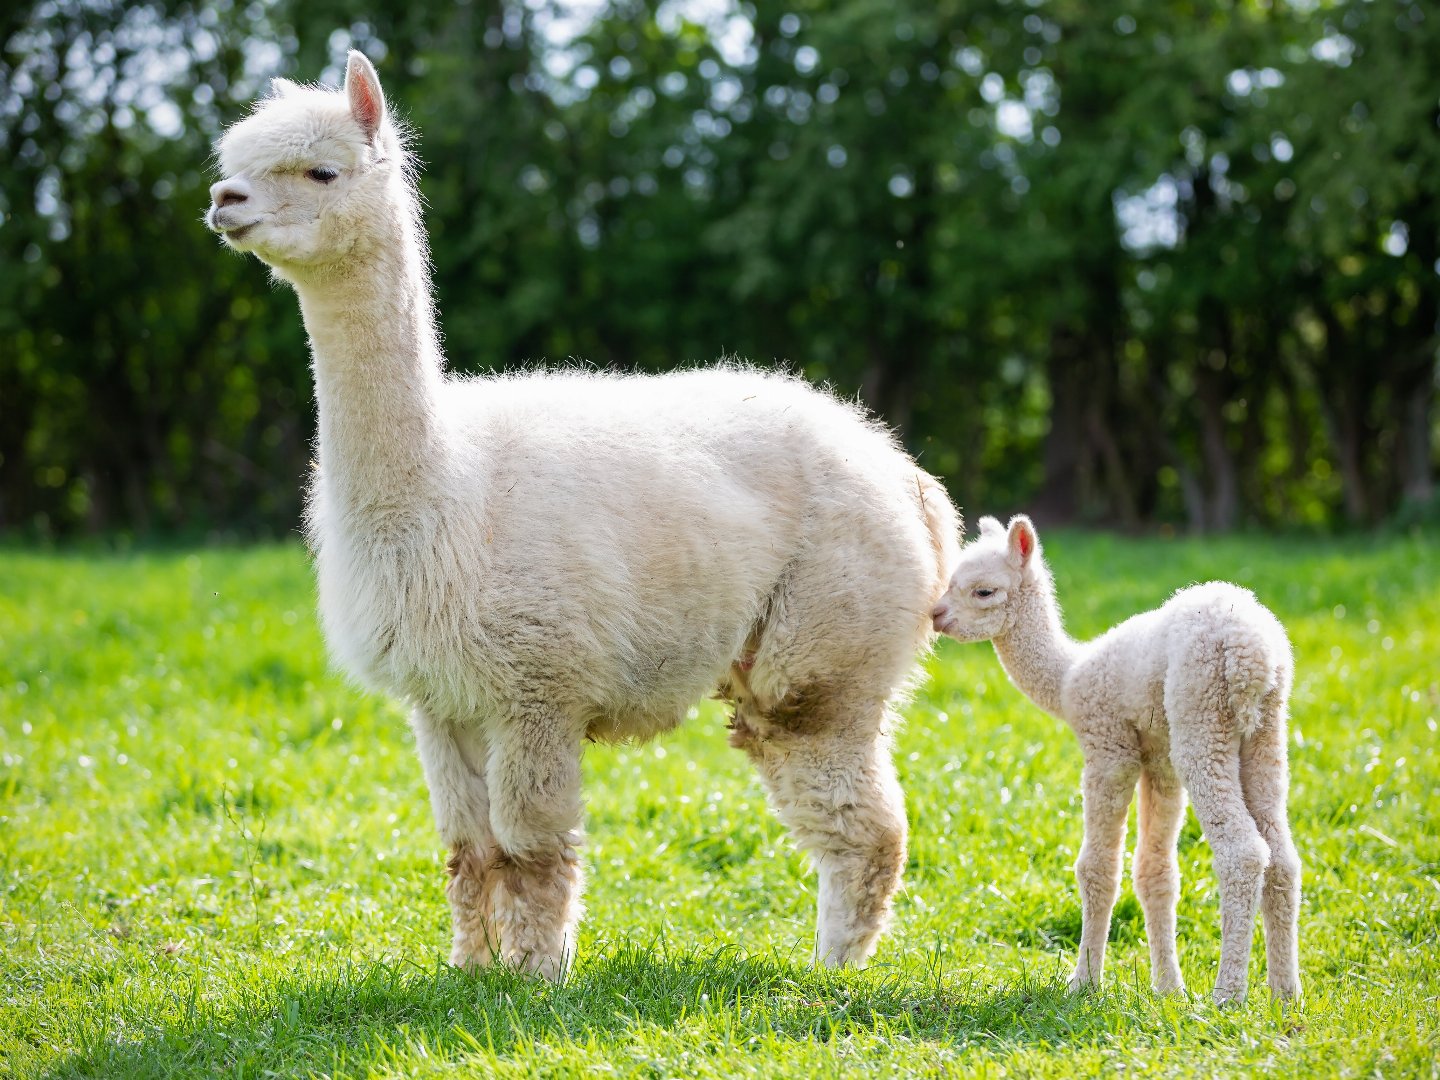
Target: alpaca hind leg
[[1212, 775], [1264, 775], [536, 815], [834, 787], [1157, 872], [1107, 783], [453, 757]]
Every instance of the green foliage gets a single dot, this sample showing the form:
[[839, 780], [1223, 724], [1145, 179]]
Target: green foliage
[[217, 859], [1127, 262]]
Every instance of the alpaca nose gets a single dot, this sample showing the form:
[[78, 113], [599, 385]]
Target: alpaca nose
[[229, 192], [939, 612]]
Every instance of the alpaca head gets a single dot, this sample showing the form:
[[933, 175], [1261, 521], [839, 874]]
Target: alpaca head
[[991, 573], [313, 179]]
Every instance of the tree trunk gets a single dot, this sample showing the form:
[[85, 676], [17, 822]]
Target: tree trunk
[[1223, 504], [886, 386], [1066, 451], [1413, 445]]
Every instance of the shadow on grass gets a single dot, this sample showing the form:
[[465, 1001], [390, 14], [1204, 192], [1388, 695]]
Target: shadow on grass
[[363, 1015]]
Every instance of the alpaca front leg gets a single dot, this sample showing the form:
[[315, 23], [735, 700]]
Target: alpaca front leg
[[453, 758], [837, 792], [1157, 872], [536, 815], [1107, 784]]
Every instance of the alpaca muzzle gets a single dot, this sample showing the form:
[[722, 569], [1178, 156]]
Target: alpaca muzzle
[[229, 211]]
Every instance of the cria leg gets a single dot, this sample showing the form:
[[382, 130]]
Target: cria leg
[[1212, 775], [535, 813], [453, 758], [1265, 775], [1107, 784], [1157, 871], [835, 789]]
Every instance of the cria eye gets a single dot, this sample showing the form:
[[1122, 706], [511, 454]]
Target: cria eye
[[983, 593], [321, 174]]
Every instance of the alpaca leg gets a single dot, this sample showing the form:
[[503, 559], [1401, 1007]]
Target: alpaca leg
[[835, 789], [1212, 775], [859, 867], [1265, 777], [1157, 872], [453, 758], [1107, 785], [536, 814]]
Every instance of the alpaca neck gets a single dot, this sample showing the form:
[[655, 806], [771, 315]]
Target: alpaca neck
[[1035, 651], [377, 368]]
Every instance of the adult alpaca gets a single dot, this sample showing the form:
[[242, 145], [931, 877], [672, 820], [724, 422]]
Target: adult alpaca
[[536, 560]]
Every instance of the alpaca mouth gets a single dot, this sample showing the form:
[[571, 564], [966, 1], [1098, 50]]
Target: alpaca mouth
[[221, 223]]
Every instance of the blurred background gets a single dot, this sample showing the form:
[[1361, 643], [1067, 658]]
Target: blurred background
[[1141, 264]]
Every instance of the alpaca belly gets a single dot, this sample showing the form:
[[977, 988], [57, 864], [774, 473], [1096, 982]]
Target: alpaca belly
[[449, 651], [637, 725], [656, 696]]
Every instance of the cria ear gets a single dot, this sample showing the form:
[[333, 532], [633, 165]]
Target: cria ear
[[280, 88], [990, 526], [362, 88], [1021, 543]]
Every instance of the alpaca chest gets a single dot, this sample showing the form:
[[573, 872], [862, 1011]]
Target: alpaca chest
[[392, 617], [460, 638]]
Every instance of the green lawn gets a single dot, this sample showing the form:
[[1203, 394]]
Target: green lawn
[[216, 858]]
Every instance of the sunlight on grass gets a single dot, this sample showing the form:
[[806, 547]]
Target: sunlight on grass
[[216, 858]]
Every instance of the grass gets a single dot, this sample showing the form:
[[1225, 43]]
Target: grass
[[216, 858]]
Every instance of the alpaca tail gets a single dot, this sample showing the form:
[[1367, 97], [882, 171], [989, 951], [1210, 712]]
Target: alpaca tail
[[943, 522], [1251, 680]]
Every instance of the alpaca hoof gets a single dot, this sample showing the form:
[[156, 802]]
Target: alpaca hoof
[[839, 958], [1081, 984], [471, 960], [1284, 990], [549, 968], [539, 965], [1165, 979], [1230, 997], [472, 948]]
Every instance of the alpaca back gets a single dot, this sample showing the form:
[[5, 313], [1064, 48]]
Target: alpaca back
[[1221, 634], [1213, 646], [619, 539]]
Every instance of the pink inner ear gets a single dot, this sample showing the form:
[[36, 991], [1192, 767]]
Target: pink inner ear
[[364, 105], [1027, 543]]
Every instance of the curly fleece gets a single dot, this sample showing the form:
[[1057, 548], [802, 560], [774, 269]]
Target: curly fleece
[[1189, 697]]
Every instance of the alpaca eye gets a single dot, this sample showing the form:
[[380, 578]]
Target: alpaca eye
[[983, 593], [321, 174]]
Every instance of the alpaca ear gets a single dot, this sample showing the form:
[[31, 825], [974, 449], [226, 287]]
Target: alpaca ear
[[280, 88], [989, 526], [362, 88], [1021, 541]]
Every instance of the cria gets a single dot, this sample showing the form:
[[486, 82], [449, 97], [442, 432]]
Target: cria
[[1189, 697]]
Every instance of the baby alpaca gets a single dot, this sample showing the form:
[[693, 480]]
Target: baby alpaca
[[1188, 697]]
